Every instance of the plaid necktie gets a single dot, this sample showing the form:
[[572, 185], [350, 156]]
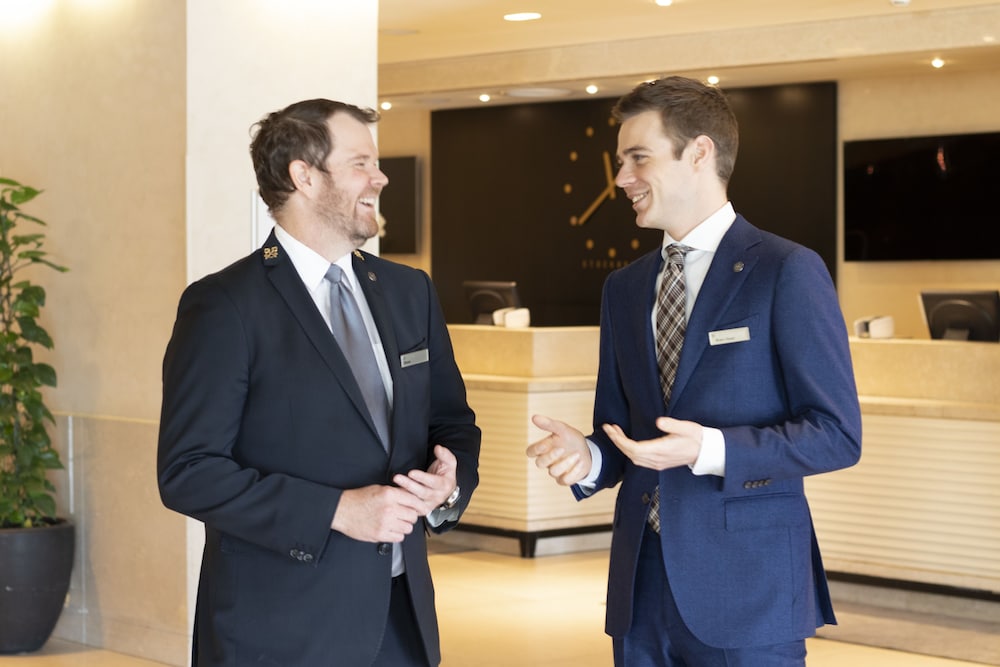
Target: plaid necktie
[[670, 325]]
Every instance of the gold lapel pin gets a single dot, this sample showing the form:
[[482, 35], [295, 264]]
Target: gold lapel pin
[[357, 253], [271, 253], [737, 267]]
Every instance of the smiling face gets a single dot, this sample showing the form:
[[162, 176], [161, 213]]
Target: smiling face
[[660, 184], [352, 182]]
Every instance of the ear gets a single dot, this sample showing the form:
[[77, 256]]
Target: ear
[[702, 152], [301, 174]]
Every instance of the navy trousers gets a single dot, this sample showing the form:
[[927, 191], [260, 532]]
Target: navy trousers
[[401, 644]]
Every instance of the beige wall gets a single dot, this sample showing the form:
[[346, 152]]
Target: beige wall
[[93, 113]]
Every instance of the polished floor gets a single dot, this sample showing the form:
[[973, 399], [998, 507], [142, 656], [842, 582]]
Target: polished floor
[[498, 610]]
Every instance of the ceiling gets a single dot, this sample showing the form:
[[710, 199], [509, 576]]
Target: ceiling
[[440, 30]]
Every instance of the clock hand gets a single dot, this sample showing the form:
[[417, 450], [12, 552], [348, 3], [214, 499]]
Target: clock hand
[[607, 192]]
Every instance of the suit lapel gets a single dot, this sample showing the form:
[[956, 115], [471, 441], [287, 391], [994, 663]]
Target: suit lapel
[[642, 295], [288, 283], [733, 262]]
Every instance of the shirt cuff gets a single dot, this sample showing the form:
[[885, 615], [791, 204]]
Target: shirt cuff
[[589, 483], [438, 516], [712, 457]]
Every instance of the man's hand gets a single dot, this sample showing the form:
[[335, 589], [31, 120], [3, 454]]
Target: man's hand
[[564, 452], [680, 446], [432, 488], [377, 513]]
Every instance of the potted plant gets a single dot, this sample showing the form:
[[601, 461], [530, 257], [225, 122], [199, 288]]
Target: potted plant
[[36, 547]]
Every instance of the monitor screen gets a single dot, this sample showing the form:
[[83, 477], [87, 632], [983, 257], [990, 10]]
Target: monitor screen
[[922, 198], [486, 296], [962, 315]]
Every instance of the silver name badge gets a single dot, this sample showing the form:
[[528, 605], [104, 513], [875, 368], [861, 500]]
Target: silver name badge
[[414, 358], [726, 336]]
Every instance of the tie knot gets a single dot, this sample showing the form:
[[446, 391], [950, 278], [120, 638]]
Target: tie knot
[[676, 252], [334, 274]]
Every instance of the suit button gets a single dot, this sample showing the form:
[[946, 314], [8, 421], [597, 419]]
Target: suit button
[[384, 549], [645, 499], [307, 558], [296, 554]]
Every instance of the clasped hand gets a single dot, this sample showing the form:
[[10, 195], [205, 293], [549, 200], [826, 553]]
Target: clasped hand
[[565, 455], [381, 513]]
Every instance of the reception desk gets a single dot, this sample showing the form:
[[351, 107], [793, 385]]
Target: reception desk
[[923, 504], [510, 375]]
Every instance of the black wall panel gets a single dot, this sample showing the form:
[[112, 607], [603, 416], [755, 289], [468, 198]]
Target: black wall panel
[[522, 193]]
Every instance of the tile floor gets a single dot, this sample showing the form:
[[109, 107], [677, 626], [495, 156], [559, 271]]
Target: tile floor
[[499, 610]]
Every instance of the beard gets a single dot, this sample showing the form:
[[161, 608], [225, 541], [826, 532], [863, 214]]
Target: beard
[[340, 212]]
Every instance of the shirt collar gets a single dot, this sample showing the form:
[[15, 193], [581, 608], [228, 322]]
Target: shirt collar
[[708, 234], [310, 265]]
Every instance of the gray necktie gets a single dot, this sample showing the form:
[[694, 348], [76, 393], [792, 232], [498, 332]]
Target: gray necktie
[[352, 336], [670, 326]]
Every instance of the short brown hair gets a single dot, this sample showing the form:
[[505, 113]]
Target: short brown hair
[[688, 108], [297, 132]]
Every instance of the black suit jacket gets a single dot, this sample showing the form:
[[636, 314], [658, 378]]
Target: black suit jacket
[[262, 428]]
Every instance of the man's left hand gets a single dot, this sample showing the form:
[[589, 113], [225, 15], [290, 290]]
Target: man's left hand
[[434, 486], [680, 446]]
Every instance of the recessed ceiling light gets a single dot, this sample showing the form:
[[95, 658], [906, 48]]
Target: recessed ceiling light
[[385, 106], [522, 16], [664, 3], [937, 63], [484, 97], [712, 80], [591, 89]]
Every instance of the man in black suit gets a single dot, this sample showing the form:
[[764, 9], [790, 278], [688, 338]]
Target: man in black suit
[[315, 489]]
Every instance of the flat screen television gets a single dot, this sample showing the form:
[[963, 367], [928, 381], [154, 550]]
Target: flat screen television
[[962, 315], [922, 198], [486, 296]]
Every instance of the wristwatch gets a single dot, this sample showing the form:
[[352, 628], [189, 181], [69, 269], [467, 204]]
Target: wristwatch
[[452, 499]]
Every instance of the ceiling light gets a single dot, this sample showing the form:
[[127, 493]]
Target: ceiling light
[[899, 3], [937, 63], [712, 80], [591, 89], [522, 16], [385, 106], [484, 97], [664, 3]]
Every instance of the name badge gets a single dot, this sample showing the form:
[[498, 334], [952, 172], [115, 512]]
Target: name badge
[[414, 358], [727, 336]]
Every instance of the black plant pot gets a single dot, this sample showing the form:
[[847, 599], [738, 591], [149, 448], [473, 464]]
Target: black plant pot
[[35, 567]]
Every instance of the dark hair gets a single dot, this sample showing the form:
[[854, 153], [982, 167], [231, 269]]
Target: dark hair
[[688, 108], [297, 132]]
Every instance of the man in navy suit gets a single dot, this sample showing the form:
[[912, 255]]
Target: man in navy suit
[[315, 501], [714, 561]]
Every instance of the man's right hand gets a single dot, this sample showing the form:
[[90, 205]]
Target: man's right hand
[[564, 452], [377, 513]]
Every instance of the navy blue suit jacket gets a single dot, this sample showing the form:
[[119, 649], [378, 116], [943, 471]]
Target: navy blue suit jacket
[[262, 428], [739, 550]]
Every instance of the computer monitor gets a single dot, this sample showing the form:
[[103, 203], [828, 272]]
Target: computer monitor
[[963, 314], [485, 296]]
